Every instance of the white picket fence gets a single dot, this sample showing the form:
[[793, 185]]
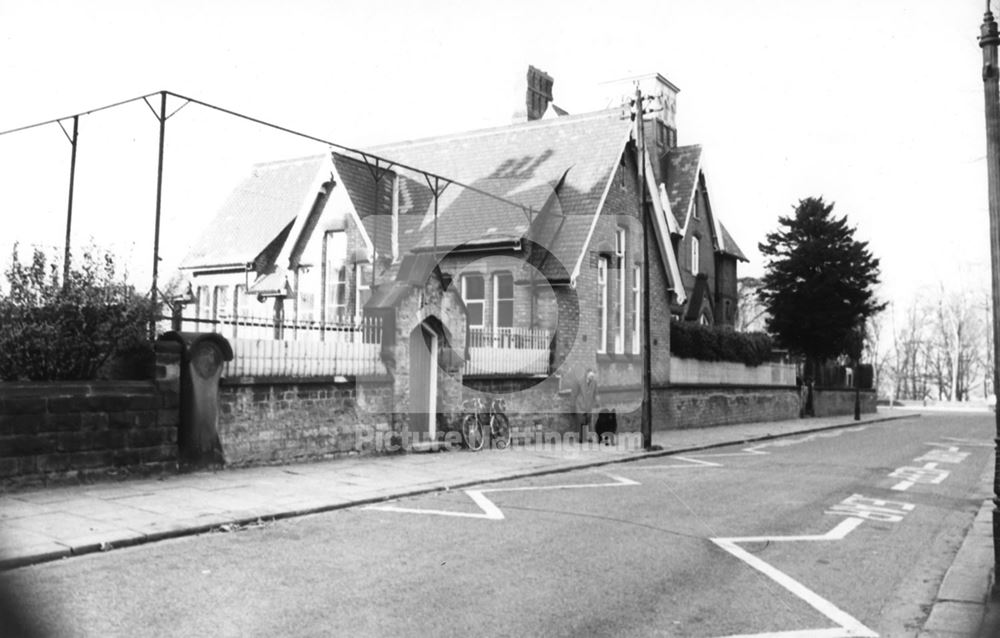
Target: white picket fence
[[508, 351]]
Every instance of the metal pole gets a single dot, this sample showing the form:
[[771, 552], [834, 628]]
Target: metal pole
[[988, 41], [159, 198], [647, 404], [69, 205]]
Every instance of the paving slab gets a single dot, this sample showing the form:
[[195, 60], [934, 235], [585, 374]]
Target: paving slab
[[949, 619]]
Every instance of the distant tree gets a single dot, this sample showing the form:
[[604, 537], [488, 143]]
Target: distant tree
[[818, 285], [750, 313]]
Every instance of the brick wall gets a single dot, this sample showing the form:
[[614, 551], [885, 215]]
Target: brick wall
[[85, 430], [533, 405], [831, 402], [679, 407], [301, 420]]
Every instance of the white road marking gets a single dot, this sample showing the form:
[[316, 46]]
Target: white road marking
[[688, 463], [755, 450], [969, 442], [902, 486], [929, 474], [951, 455], [490, 511], [847, 625], [874, 509]]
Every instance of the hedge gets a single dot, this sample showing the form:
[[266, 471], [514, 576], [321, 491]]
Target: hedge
[[707, 343], [55, 330]]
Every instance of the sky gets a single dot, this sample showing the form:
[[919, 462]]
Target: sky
[[876, 105]]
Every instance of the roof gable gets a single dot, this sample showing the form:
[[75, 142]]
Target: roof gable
[[556, 169], [681, 171], [258, 210]]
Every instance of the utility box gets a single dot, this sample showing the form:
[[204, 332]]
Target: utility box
[[203, 355]]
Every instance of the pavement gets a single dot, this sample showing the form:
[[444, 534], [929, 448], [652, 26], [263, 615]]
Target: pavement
[[51, 523]]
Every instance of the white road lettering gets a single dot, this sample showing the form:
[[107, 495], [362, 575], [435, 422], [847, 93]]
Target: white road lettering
[[929, 474], [872, 509]]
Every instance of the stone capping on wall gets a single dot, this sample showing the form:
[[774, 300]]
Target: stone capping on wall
[[319, 380]]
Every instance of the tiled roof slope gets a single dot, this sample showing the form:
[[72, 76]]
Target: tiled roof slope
[[358, 179], [257, 211], [730, 247], [573, 156], [681, 171]]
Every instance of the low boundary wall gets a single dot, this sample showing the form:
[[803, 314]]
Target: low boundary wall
[[280, 420], [62, 431]]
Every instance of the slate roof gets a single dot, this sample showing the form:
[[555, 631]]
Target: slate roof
[[573, 157], [681, 169], [358, 180], [729, 245], [258, 210]]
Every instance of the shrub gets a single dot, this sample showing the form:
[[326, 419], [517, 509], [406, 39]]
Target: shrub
[[52, 330], [707, 343]]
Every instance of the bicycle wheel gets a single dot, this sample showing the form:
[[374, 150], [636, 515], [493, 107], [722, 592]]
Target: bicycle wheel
[[472, 432], [500, 429]]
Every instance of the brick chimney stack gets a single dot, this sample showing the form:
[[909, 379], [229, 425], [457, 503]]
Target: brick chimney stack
[[539, 94]]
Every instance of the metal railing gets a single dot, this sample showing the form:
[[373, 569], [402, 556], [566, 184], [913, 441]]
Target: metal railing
[[508, 351], [263, 347]]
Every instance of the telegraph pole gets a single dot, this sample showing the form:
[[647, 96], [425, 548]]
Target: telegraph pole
[[988, 41], [640, 145]]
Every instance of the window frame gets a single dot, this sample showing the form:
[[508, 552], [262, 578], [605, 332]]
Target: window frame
[[636, 309], [602, 301], [695, 254], [497, 300], [621, 248], [361, 285], [334, 265], [482, 300]]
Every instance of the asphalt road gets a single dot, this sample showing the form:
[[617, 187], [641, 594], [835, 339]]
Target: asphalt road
[[845, 532]]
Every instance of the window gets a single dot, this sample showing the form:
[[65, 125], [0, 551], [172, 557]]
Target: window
[[362, 284], [335, 276], [503, 300], [695, 254], [602, 304], [474, 296], [636, 308], [203, 307], [620, 239], [306, 293]]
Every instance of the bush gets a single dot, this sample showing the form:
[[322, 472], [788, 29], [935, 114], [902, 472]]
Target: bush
[[65, 331], [707, 343]]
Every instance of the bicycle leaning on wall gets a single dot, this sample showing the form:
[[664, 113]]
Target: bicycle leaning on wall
[[478, 418]]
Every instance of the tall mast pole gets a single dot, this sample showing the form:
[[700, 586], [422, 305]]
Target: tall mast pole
[[988, 41]]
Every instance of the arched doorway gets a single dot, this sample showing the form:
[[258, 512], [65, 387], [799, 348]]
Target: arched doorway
[[423, 382]]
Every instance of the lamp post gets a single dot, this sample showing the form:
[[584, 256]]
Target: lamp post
[[988, 41]]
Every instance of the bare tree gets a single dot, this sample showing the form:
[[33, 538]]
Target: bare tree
[[750, 312]]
